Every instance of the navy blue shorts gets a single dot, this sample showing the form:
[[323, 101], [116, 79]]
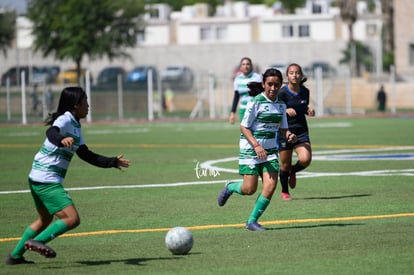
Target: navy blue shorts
[[284, 145]]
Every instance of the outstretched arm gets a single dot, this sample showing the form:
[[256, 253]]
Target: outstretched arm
[[101, 161]]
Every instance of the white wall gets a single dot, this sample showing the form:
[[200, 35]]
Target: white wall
[[157, 35]]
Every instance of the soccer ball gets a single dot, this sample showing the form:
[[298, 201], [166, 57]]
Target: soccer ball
[[179, 240]]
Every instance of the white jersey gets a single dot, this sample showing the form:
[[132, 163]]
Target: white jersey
[[240, 85], [263, 117], [51, 162]]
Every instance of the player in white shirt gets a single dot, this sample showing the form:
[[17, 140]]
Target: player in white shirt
[[241, 91], [63, 140], [265, 116]]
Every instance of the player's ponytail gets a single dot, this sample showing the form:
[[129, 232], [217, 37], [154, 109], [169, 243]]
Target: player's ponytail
[[255, 88], [69, 97]]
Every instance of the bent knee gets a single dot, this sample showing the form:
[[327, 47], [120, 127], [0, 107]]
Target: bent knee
[[306, 163], [73, 223], [249, 191]]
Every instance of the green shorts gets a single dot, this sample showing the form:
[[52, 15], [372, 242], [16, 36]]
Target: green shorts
[[51, 196], [259, 169]]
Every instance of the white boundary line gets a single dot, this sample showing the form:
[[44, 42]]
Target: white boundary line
[[322, 155]]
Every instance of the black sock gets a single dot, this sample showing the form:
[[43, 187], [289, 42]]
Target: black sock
[[297, 167], [284, 178]]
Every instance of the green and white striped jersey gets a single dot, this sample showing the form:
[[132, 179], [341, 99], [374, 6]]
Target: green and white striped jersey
[[50, 164], [264, 118], [240, 85]]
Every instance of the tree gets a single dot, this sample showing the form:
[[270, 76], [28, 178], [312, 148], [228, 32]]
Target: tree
[[7, 30], [291, 5], [388, 33], [73, 29], [362, 54], [349, 15]]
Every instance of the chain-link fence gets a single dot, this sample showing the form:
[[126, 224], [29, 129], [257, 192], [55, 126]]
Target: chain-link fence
[[208, 97]]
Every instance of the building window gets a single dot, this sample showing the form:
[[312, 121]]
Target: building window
[[411, 54], [303, 30], [316, 9], [287, 31], [141, 36], [154, 13], [371, 29], [205, 33], [213, 33]]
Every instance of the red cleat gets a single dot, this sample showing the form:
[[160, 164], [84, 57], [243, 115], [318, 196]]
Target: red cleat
[[285, 196]]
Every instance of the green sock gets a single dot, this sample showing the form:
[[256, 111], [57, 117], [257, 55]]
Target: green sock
[[258, 209], [55, 229], [235, 187], [19, 250]]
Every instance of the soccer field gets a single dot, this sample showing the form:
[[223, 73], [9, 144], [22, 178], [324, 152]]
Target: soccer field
[[352, 211]]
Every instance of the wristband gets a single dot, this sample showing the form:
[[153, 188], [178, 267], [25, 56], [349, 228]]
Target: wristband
[[256, 145]]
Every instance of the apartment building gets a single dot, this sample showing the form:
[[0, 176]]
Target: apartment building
[[313, 33], [404, 38]]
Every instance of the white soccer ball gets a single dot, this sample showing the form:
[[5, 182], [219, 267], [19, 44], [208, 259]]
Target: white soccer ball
[[179, 240]]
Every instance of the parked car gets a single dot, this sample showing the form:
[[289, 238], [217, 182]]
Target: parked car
[[46, 74], [14, 74], [327, 69], [178, 77], [108, 77], [138, 77], [69, 76]]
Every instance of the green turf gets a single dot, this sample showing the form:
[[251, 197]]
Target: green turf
[[339, 221]]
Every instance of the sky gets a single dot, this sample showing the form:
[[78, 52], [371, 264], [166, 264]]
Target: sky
[[18, 5]]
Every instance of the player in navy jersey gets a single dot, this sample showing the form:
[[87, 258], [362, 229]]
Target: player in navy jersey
[[63, 139], [296, 97]]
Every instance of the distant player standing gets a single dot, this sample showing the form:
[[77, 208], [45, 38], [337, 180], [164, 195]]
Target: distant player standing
[[296, 97], [63, 139], [241, 91], [264, 117]]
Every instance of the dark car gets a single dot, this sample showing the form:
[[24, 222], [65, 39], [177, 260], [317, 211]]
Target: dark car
[[108, 77], [178, 78], [46, 74], [14, 74], [138, 77], [327, 69]]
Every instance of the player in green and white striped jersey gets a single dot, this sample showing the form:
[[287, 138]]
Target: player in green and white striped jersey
[[63, 140], [265, 116], [241, 91]]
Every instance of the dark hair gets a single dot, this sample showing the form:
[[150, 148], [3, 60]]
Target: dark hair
[[69, 97], [304, 78], [272, 72], [256, 88]]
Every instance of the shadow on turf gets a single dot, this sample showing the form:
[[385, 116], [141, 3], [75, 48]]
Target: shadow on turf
[[313, 226], [335, 197], [132, 261]]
